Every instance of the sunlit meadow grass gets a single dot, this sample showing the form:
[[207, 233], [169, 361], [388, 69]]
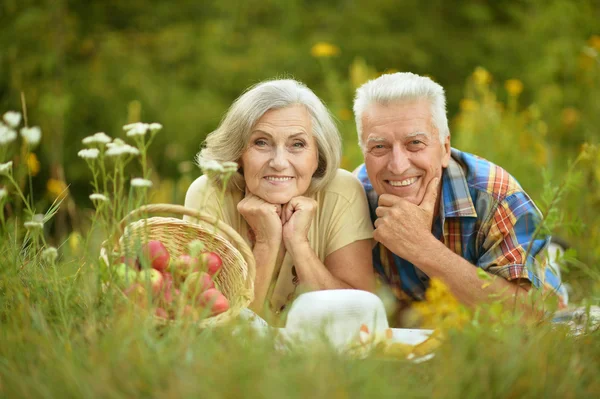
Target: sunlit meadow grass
[[61, 337]]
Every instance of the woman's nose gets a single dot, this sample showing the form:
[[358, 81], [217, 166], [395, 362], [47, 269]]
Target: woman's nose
[[279, 160]]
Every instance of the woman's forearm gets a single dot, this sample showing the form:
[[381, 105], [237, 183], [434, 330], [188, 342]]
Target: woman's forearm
[[266, 255], [311, 271]]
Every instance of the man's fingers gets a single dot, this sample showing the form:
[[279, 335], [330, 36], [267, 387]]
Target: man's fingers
[[381, 211], [431, 194]]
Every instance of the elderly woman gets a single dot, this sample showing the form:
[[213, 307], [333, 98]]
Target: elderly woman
[[306, 220]]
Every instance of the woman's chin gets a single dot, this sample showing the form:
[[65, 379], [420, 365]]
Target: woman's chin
[[277, 199]]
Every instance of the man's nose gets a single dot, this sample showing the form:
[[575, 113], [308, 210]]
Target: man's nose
[[399, 161], [279, 160]]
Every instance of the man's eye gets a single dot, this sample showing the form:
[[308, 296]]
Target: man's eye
[[416, 142], [378, 147]]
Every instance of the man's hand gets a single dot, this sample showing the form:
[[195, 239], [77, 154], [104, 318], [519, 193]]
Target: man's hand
[[262, 217], [403, 227], [296, 216]]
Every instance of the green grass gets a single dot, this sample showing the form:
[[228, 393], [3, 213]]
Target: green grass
[[61, 337]]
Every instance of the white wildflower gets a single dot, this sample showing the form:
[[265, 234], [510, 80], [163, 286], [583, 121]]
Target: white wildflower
[[136, 129], [230, 167], [32, 135], [98, 197], [139, 182], [12, 118], [3, 193], [97, 138], [119, 147], [89, 153], [36, 222], [7, 135], [155, 127], [5, 168], [50, 254], [116, 143], [211, 166]]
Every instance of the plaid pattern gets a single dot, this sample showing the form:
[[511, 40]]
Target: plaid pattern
[[485, 217]]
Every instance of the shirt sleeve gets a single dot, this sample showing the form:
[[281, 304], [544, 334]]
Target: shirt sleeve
[[202, 196], [509, 235], [350, 220]]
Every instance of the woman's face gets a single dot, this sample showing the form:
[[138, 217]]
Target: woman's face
[[281, 155]]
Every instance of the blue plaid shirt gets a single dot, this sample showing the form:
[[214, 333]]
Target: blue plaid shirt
[[485, 217]]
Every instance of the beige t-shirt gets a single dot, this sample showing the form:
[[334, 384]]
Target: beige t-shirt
[[342, 218]]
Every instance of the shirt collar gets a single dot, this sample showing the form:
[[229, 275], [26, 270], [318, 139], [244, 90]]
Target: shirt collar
[[457, 201]]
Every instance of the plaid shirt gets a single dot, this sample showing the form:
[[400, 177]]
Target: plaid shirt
[[485, 217]]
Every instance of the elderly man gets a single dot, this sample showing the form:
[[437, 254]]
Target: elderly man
[[439, 212]]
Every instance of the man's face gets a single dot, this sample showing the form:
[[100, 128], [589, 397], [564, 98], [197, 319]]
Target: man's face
[[402, 149]]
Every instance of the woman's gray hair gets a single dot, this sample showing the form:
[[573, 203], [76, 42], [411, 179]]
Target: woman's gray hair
[[400, 87], [229, 141]]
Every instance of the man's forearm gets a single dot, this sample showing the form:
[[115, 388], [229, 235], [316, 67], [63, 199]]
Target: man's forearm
[[436, 260]]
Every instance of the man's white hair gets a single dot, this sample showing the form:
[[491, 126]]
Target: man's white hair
[[402, 87]]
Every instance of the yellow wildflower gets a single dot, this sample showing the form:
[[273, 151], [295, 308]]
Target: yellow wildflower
[[360, 72], [33, 164], [440, 310], [594, 42], [481, 76], [55, 187], [75, 242], [468, 105], [324, 49], [514, 87]]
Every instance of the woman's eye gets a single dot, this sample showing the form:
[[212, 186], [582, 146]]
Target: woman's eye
[[299, 144], [260, 143]]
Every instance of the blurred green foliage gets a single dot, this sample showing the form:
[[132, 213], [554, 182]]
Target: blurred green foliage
[[88, 66]]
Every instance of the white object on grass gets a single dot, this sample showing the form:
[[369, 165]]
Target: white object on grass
[[336, 315]]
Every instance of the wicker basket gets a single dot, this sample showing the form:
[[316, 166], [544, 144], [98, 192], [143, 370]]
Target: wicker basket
[[236, 278]]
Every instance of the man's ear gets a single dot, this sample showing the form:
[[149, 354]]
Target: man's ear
[[446, 151]]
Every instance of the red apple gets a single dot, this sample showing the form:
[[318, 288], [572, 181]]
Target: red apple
[[214, 300], [212, 262], [196, 283], [153, 278], [156, 252]]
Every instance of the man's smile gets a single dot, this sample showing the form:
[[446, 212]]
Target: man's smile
[[402, 183]]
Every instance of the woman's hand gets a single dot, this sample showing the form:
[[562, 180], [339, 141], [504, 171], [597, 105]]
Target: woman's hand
[[296, 216], [263, 218]]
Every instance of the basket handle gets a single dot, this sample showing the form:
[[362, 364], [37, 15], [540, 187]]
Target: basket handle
[[226, 230]]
